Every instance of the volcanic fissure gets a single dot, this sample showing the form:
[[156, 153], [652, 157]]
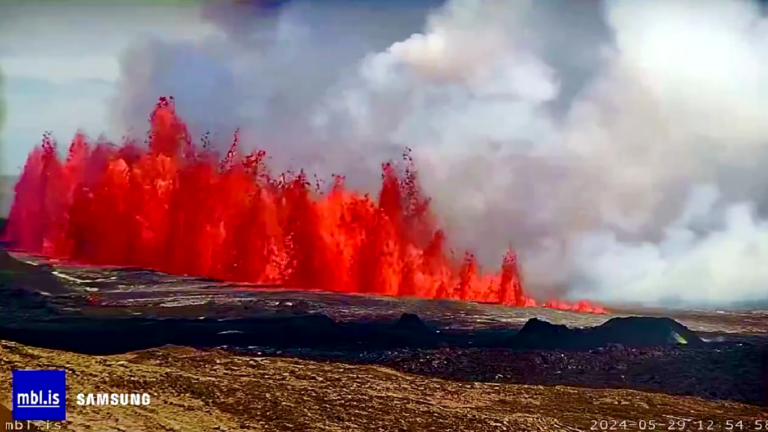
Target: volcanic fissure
[[176, 207]]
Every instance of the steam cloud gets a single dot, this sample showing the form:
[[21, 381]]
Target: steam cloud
[[620, 147]]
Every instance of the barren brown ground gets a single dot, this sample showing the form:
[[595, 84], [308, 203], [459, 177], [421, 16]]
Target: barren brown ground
[[217, 390], [213, 390]]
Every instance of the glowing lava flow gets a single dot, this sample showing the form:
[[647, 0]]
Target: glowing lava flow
[[177, 208]]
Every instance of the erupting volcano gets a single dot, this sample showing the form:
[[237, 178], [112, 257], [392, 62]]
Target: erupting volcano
[[176, 207]]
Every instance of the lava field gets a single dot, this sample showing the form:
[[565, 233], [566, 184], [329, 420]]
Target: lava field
[[109, 310]]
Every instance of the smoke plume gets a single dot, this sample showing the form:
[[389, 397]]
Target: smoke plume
[[619, 146]]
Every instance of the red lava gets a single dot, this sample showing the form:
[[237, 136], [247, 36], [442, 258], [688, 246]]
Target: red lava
[[175, 206]]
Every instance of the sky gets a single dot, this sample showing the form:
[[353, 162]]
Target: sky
[[61, 65]]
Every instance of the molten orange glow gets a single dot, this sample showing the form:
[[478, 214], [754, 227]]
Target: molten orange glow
[[175, 207]]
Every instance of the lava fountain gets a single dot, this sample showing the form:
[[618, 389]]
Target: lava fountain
[[175, 206]]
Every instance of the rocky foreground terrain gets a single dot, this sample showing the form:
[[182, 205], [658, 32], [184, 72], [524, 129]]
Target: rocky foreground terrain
[[267, 359], [214, 390]]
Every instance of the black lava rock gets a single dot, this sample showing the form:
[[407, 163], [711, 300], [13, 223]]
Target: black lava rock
[[636, 332], [645, 332], [411, 323], [537, 333]]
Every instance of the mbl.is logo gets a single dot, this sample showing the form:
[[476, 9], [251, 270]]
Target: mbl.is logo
[[39, 395]]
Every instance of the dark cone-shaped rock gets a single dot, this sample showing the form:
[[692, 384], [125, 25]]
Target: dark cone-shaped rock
[[645, 332], [410, 330], [411, 323], [636, 332], [537, 333]]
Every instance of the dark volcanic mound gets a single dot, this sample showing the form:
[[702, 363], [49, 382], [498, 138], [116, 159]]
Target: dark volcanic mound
[[636, 332], [411, 324]]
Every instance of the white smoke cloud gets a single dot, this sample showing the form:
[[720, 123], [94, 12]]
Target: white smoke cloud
[[684, 268], [594, 199], [703, 74], [622, 157]]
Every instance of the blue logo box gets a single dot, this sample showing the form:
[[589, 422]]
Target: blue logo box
[[39, 395]]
